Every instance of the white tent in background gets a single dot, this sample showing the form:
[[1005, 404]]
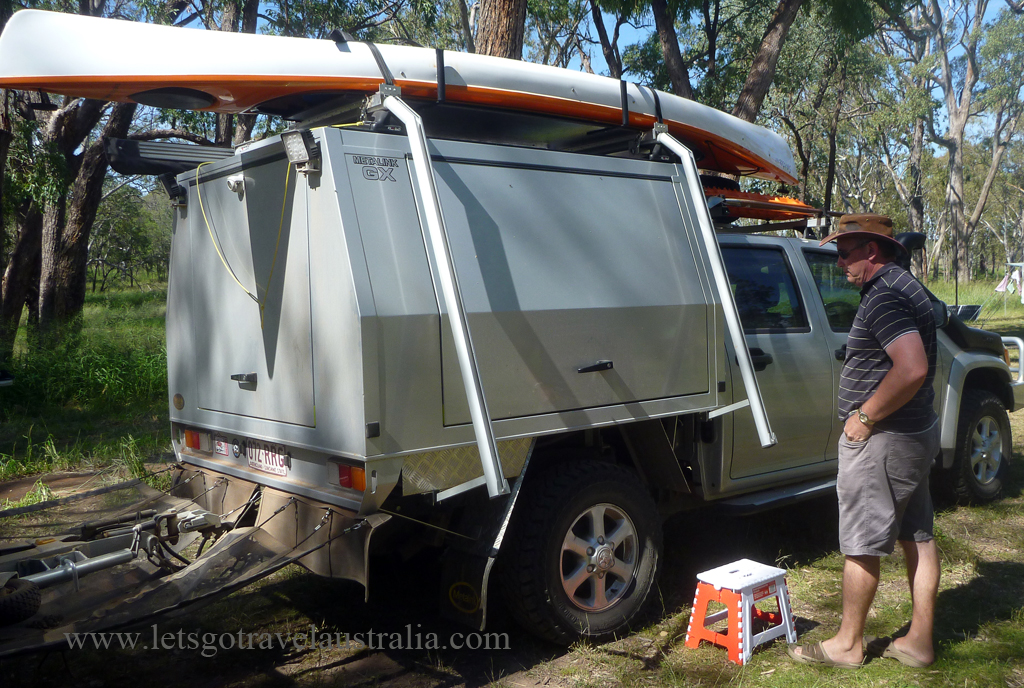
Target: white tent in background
[[1012, 281]]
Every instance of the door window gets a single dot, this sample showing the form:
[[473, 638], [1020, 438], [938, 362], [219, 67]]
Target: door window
[[841, 298], [762, 284]]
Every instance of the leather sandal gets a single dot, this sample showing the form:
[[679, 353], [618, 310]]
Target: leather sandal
[[814, 653], [904, 658]]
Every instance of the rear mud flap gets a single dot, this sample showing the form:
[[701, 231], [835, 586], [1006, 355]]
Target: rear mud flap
[[142, 587], [469, 561], [466, 575]]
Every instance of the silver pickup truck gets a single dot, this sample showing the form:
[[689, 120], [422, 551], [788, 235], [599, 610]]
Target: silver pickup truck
[[318, 356]]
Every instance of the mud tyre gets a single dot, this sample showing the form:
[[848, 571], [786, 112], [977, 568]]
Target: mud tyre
[[584, 553], [19, 600], [983, 448]]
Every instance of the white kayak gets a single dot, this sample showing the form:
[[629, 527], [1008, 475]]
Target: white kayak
[[125, 61]]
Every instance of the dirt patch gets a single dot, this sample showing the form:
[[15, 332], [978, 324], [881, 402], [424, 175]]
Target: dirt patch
[[62, 484]]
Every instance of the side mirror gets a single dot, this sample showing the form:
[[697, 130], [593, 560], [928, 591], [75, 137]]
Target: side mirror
[[912, 241], [940, 310]]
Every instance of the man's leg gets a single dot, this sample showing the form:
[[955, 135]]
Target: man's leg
[[923, 571], [860, 581]]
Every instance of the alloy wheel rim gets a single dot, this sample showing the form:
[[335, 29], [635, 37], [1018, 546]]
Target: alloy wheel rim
[[986, 450], [599, 557]]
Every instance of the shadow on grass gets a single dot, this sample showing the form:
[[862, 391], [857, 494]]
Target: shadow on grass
[[995, 595]]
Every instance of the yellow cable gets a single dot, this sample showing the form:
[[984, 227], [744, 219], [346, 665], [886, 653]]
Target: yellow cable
[[273, 263], [215, 246]]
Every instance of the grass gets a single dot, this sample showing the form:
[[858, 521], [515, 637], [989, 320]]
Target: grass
[[97, 399], [1003, 313]]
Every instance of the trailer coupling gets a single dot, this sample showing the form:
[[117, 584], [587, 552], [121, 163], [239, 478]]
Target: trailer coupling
[[155, 551]]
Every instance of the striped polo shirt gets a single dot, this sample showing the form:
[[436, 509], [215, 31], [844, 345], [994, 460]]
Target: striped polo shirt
[[892, 303]]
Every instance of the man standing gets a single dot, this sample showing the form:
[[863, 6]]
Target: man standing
[[891, 436]]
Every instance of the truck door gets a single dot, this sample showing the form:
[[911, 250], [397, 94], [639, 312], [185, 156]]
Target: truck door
[[841, 300], [791, 358], [251, 307]]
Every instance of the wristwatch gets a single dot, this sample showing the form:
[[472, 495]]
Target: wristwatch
[[864, 418]]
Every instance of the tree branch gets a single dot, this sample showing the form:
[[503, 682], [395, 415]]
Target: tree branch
[[155, 134]]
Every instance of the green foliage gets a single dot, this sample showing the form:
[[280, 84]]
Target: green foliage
[[132, 457], [318, 19], [643, 63], [98, 377], [97, 400], [718, 78], [199, 123], [36, 171], [857, 20], [116, 360], [131, 235], [1003, 56], [553, 27]]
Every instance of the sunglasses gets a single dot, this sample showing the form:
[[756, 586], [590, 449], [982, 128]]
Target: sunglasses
[[846, 254]]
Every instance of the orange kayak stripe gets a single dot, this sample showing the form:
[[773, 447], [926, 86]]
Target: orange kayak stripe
[[239, 93]]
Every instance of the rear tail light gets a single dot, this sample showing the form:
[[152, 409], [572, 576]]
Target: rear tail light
[[200, 441], [351, 477]]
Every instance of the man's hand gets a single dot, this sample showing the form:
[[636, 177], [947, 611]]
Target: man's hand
[[856, 431]]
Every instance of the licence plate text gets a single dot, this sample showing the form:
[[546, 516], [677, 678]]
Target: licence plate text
[[269, 458]]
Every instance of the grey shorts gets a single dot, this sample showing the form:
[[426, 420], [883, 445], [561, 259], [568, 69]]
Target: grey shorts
[[883, 491]]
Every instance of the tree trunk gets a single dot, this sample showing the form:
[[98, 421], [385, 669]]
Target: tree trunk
[[915, 208], [678, 74], [22, 270], [5, 147], [608, 46], [502, 28], [225, 131], [762, 71], [66, 228], [467, 27], [833, 129], [243, 129], [955, 208]]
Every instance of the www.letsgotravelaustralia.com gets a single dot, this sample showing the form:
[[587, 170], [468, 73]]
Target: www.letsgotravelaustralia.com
[[209, 644]]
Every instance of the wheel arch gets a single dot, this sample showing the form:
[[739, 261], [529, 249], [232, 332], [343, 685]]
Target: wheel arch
[[970, 371]]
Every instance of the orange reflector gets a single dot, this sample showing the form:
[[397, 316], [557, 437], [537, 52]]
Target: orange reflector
[[192, 439], [351, 477]]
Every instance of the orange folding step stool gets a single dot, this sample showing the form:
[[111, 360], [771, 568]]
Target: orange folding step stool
[[739, 586]]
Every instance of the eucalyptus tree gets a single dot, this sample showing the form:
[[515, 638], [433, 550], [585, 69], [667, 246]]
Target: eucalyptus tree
[[556, 31], [978, 67], [719, 20], [1004, 220], [502, 28], [624, 14]]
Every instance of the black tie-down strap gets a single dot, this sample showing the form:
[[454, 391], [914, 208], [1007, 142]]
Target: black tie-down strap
[[341, 37]]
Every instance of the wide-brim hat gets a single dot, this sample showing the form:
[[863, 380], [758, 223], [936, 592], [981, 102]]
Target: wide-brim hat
[[864, 225]]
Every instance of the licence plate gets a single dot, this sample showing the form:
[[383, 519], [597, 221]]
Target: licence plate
[[268, 457]]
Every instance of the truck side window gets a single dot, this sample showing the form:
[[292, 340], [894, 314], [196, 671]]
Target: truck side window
[[763, 287], [841, 298]]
